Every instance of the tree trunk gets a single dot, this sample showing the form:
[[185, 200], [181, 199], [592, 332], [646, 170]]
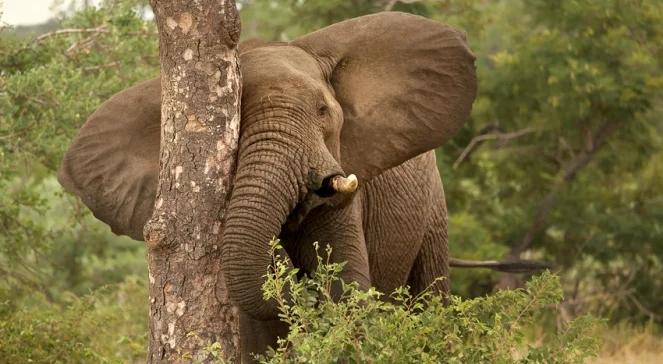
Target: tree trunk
[[200, 101]]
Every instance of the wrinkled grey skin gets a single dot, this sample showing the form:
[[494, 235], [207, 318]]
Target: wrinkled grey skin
[[370, 96]]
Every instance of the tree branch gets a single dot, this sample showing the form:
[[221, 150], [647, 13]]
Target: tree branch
[[492, 136], [43, 37], [512, 266], [101, 66], [566, 175]]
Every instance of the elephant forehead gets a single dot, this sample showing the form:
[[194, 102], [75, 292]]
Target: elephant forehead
[[273, 65]]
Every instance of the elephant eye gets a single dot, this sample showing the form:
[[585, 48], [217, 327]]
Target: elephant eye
[[323, 109]]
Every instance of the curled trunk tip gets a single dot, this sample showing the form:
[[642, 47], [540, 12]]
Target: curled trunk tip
[[347, 184]]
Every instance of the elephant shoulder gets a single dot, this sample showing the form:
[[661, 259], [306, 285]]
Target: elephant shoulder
[[404, 191]]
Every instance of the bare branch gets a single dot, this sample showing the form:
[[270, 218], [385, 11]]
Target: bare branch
[[100, 29], [101, 66], [83, 44], [512, 266], [492, 136]]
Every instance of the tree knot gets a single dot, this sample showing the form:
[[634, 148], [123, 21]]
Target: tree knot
[[155, 233]]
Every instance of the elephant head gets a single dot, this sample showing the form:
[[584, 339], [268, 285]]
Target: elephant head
[[357, 97]]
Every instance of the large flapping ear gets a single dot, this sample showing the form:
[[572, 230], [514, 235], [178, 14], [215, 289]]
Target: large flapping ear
[[405, 83], [113, 164]]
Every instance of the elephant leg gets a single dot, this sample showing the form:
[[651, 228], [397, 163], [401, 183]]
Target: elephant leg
[[432, 261], [341, 229]]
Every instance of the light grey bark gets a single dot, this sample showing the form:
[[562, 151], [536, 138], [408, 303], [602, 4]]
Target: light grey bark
[[201, 87]]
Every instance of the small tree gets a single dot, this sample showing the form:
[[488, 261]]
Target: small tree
[[201, 86]]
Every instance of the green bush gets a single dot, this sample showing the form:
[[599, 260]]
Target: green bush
[[108, 325], [364, 327]]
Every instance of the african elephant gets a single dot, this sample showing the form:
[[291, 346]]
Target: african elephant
[[370, 96]]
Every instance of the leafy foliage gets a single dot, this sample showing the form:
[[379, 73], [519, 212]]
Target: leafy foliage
[[362, 327], [53, 253], [107, 326], [48, 87], [584, 79]]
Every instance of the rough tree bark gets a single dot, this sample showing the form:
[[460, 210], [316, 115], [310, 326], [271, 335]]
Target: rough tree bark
[[200, 97]]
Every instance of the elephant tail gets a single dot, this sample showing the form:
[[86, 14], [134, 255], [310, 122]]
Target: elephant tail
[[510, 266]]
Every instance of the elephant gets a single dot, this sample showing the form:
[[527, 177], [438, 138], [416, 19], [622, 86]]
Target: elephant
[[337, 139]]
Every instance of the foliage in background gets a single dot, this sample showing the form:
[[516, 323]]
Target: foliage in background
[[48, 87], [362, 328], [108, 326], [582, 82], [67, 286]]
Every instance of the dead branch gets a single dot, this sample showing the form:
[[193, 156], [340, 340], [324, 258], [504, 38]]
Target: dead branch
[[101, 66], [492, 136], [83, 44], [511, 266], [55, 33]]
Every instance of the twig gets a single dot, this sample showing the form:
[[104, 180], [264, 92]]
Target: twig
[[492, 136], [83, 43], [510, 266], [41, 38], [101, 66]]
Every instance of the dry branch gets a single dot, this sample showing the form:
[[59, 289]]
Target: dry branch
[[101, 66], [492, 136], [55, 33]]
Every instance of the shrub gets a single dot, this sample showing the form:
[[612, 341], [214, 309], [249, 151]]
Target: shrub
[[364, 327], [108, 325]]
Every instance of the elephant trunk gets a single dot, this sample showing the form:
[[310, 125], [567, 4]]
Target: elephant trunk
[[267, 188]]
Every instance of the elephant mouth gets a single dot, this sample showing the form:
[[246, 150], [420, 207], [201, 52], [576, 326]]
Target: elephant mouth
[[326, 189]]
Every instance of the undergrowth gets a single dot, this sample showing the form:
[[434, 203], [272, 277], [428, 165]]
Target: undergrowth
[[367, 327]]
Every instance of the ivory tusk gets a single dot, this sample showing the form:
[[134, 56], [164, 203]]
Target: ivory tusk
[[347, 184]]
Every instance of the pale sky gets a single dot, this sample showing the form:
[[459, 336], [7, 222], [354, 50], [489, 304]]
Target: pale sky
[[28, 12]]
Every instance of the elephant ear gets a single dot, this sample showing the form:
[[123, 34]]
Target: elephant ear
[[113, 164], [405, 83]]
